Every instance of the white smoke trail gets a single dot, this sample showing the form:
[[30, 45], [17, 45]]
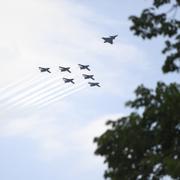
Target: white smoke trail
[[20, 89], [55, 98], [50, 95], [62, 96], [30, 91], [38, 95], [14, 84], [37, 92]]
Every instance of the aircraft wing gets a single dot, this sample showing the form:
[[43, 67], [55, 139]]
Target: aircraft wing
[[104, 38], [110, 41]]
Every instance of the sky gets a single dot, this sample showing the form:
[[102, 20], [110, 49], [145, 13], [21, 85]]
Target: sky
[[47, 127]]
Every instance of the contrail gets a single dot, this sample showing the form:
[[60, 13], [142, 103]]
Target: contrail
[[14, 84], [56, 97], [29, 92], [21, 88], [33, 93], [38, 95], [48, 96], [61, 96]]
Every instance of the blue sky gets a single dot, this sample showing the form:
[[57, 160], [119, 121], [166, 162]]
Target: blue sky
[[47, 128]]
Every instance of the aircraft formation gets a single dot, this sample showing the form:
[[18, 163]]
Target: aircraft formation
[[32, 92], [71, 80], [109, 40]]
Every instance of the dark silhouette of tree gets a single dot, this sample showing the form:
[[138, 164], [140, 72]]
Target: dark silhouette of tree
[[151, 23], [146, 143]]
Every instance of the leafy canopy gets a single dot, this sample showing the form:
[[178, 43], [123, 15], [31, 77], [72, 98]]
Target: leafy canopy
[[153, 22], [148, 144]]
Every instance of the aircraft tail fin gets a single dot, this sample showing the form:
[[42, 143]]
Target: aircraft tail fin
[[72, 81], [48, 70]]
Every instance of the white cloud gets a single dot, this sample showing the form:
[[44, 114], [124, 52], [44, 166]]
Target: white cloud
[[50, 33], [17, 127], [57, 32], [83, 137], [55, 140]]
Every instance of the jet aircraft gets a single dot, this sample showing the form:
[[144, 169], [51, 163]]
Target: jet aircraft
[[86, 76], [109, 39], [94, 84], [84, 67], [66, 80], [44, 69], [63, 69]]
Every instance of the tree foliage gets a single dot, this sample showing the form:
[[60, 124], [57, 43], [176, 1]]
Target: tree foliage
[[152, 23], [148, 143]]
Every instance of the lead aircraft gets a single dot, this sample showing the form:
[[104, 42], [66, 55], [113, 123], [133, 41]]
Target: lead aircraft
[[109, 39]]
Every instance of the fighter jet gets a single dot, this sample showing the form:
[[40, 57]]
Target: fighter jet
[[44, 69], [94, 84], [109, 39], [66, 80], [63, 69], [86, 76], [84, 67]]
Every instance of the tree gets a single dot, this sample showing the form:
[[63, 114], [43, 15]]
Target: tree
[[151, 24], [146, 144]]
